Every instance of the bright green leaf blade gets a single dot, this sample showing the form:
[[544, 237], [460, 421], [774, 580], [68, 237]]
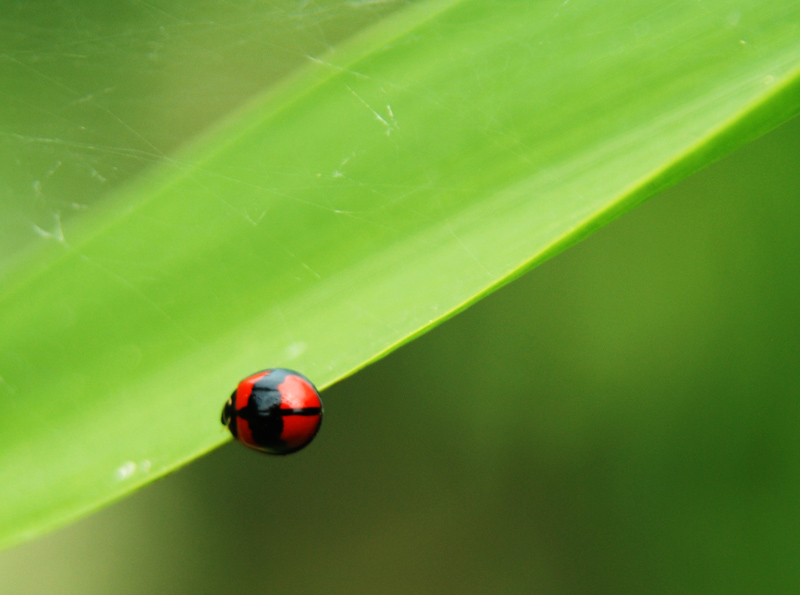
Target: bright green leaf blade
[[397, 179]]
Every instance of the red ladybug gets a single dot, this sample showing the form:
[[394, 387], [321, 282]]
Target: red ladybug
[[276, 411]]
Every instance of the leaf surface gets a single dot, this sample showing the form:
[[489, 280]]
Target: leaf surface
[[381, 182]]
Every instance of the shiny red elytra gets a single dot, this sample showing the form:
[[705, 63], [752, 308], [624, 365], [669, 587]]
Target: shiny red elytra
[[276, 411]]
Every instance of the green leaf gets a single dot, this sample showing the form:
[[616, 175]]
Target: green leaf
[[381, 186]]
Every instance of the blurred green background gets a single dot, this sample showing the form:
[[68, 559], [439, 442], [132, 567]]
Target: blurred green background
[[623, 419]]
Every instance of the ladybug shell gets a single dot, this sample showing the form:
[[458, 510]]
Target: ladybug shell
[[276, 411]]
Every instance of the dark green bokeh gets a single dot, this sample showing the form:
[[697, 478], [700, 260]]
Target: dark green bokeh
[[624, 419]]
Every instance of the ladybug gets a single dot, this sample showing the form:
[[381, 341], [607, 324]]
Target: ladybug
[[276, 411]]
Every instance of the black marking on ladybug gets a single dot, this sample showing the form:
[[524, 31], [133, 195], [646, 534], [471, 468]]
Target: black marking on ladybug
[[304, 411], [263, 415]]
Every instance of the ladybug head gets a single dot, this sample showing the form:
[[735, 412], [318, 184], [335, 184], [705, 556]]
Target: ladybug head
[[228, 411]]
